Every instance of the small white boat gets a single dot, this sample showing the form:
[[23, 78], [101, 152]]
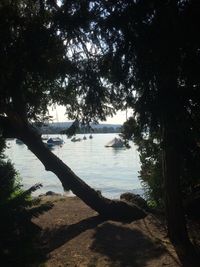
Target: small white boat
[[116, 142], [55, 141], [74, 139]]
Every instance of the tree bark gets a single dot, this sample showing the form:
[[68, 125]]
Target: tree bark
[[112, 209], [175, 216]]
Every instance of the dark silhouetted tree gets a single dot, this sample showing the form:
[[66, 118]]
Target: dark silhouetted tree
[[46, 58], [151, 55]]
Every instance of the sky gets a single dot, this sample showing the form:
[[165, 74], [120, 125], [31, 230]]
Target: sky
[[58, 114]]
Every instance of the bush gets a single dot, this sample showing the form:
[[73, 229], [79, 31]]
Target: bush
[[150, 152], [17, 208]]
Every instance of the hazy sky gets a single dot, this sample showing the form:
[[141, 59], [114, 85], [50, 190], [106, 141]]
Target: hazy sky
[[59, 115]]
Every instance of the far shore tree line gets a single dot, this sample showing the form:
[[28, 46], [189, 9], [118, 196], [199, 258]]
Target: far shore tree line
[[97, 57], [80, 130]]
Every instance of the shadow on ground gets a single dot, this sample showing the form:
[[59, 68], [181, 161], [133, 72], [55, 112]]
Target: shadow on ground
[[53, 239], [121, 245], [124, 246]]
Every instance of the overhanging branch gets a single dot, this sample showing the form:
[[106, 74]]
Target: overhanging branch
[[6, 128]]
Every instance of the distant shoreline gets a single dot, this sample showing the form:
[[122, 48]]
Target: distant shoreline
[[58, 127]]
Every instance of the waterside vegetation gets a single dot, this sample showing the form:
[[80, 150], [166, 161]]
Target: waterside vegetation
[[97, 57]]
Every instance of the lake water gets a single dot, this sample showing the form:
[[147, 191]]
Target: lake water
[[113, 171]]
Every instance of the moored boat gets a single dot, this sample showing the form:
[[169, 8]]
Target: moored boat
[[116, 142], [19, 142], [55, 141], [75, 139]]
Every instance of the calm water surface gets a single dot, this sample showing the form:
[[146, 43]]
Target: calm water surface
[[113, 171]]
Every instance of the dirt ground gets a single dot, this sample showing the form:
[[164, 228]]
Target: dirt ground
[[74, 235]]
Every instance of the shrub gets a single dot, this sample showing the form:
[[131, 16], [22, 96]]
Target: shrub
[[17, 208]]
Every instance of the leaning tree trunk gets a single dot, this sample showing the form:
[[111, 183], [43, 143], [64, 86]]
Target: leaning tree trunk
[[112, 209]]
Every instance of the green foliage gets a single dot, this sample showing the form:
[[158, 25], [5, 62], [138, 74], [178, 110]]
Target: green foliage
[[46, 60], [150, 151], [17, 207], [150, 157], [97, 56], [73, 129], [151, 179], [151, 57]]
